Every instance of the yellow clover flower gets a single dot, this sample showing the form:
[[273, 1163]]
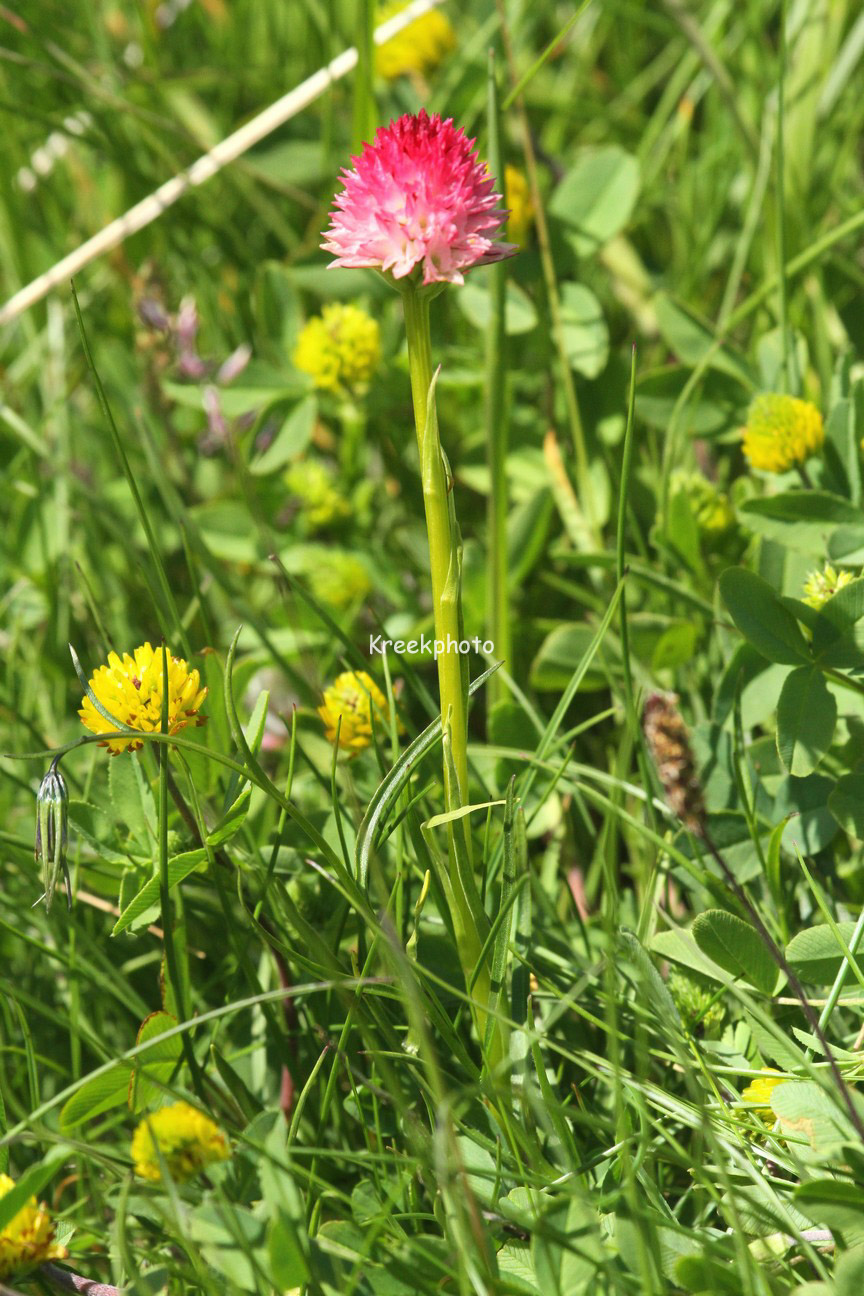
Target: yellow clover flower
[[759, 1091], [336, 576], [820, 586], [781, 432], [311, 486], [340, 349], [521, 217], [711, 508], [28, 1239], [130, 688], [418, 48], [188, 1141], [351, 696]]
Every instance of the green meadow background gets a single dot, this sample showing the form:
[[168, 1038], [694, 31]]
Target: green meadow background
[[699, 188]]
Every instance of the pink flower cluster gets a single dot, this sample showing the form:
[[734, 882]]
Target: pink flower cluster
[[418, 196]]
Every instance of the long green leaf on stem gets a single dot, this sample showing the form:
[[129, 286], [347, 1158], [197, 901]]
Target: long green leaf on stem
[[390, 789]]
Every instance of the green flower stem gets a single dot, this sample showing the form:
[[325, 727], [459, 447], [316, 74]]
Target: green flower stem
[[469, 918], [443, 544], [172, 964]]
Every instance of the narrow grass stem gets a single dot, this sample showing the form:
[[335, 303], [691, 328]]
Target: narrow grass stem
[[174, 979], [780, 214], [169, 602], [497, 428], [621, 572], [840, 980], [553, 298], [172, 966], [365, 110], [724, 82]]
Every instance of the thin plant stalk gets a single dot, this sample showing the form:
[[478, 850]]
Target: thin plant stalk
[[621, 573], [591, 538], [780, 191], [144, 517], [840, 979], [497, 429], [469, 918], [443, 544], [172, 966], [365, 110]]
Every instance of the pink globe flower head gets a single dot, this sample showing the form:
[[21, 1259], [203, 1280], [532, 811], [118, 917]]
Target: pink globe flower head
[[418, 197]]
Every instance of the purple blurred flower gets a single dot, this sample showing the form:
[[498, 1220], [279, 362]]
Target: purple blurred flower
[[190, 363], [235, 364], [153, 315], [216, 435]]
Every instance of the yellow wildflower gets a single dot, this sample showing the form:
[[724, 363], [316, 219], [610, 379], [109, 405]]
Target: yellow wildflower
[[352, 695], [521, 216], [820, 586], [188, 1141], [28, 1239], [717, 515], [759, 1092], [781, 432], [311, 485], [711, 508], [418, 48], [130, 689], [336, 576], [340, 349]]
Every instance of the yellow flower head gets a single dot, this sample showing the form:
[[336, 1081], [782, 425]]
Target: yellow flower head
[[188, 1141], [312, 489], [418, 48], [340, 349], [352, 696], [711, 508], [820, 586], [336, 576], [28, 1239], [130, 689], [759, 1091], [781, 432], [521, 216]]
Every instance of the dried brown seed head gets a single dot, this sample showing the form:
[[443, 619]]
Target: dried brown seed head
[[669, 743]]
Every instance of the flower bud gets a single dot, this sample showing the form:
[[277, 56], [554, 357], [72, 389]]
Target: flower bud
[[669, 744], [52, 803], [235, 364]]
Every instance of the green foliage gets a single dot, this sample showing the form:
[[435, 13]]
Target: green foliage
[[596, 197], [587, 1134], [735, 946]]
